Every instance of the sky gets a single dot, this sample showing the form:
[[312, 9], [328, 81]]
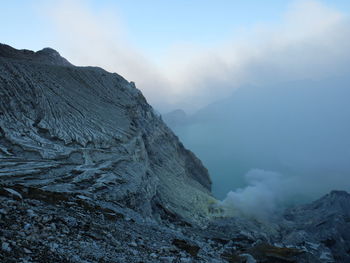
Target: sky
[[186, 53]]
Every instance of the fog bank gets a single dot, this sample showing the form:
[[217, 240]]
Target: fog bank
[[275, 144]]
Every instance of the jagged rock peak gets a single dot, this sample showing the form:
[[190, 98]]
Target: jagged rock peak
[[340, 193], [333, 198], [44, 56]]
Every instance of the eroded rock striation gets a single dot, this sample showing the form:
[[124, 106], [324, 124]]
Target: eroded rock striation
[[82, 130]]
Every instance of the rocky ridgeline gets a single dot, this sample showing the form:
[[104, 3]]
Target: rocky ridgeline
[[83, 130], [89, 173]]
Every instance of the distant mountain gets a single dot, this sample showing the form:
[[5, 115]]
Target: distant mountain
[[175, 118], [294, 128], [323, 223]]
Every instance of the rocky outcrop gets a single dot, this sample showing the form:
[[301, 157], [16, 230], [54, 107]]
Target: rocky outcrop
[[322, 227], [85, 131], [45, 56]]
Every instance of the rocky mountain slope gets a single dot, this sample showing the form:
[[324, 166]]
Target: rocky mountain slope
[[322, 225], [40, 226], [85, 131], [89, 173]]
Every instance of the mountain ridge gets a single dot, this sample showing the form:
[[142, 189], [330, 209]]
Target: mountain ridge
[[96, 134], [46, 55]]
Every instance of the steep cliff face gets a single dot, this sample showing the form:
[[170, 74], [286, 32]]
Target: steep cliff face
[[88, 132]]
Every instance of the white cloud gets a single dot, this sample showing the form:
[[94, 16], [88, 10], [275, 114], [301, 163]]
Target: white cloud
[[310, 42], [262, 197], [97, 38]]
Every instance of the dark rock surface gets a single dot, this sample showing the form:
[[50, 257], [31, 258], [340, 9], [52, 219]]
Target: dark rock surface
[[46, 56], [90, 173], [322, 225], [42, 226]]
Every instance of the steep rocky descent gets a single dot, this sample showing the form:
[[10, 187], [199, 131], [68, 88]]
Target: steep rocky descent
[[86, 131], [323, 226], [47, 227]]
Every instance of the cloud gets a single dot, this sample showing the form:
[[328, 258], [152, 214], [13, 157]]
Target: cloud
[[309, 42], [268, 193], [264, 195], [97, 38]]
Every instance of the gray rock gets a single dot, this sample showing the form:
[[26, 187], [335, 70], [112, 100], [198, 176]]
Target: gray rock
[[3, 211], [13, 193], [92, 134], [27, 227], [167, 259], [133, 244], [31, 213], [27, 251], [249, 258], [6, 247], [323, 227]]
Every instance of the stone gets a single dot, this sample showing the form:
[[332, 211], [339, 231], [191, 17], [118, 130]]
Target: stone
[[186, 246], [13, 193], [27, 227], [53, 226], [133, 244], [3, 211], [6, 247], [27, 251], [31, 213], [167, 259]]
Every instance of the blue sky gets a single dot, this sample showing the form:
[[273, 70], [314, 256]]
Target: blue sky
[[187, 53], [153, 25]]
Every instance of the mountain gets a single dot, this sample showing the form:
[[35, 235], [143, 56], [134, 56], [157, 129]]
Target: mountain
[[175, 118], [84, 131], [295, 128], [323, 223], [90, 173]]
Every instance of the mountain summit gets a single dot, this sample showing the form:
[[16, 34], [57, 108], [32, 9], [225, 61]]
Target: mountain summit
[[82, 130], [44, 56]]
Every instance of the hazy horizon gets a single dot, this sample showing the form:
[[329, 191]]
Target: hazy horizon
[[278, 144]]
